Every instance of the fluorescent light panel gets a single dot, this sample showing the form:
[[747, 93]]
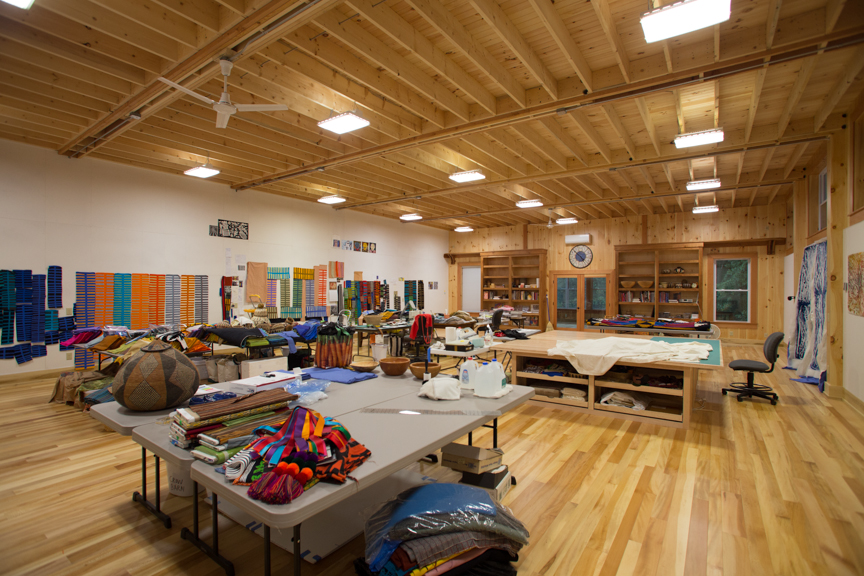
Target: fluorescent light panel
[[683, 17], [566, 221], [409, 217], [203, 171], [331, 199], [346, 122], [464, 229], [706, 209], [469, 176], [699, 138], [529, 203], [703, 184], [25, 4]]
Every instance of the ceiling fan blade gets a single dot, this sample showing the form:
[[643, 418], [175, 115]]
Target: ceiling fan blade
[[260, 107], [187, 91], [222, 120]]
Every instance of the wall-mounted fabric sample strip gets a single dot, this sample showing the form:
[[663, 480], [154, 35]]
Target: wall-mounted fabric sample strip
[[54, 286]]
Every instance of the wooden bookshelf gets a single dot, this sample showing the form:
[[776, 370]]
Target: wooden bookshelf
[[501, 270], [648, 263]]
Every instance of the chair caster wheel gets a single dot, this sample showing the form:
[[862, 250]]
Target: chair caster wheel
[[740, 398], [776, 397], [724, 392], [773, 402]]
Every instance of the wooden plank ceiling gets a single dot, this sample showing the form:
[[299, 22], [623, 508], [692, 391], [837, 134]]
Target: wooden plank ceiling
[[560, 101]]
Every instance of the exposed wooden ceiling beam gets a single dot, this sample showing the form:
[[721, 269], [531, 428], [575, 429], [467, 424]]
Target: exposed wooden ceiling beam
[[773, 17], [853, 67], [801, 81], [542, 145], [554, 128], [769, 155], [445, 23], [205, 13], [832, 13], [620, 130], [793, 159], [604, 14], [585, 125], [642, 106], [495, 17], [157, 19], [502, 136], [759, 81], [564, 39], [407, 36], [352, 34]]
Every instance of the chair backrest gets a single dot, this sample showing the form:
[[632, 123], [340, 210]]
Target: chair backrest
[[771, 344], [496, 319]]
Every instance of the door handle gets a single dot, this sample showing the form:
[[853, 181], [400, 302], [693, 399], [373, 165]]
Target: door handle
[[790, 298]]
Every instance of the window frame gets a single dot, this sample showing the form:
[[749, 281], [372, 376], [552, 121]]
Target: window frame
[[822, 191], [752, 301]]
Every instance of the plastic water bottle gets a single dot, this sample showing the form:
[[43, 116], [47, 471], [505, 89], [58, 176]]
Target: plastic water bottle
[[486, 384], [499, 371], [468, 374]]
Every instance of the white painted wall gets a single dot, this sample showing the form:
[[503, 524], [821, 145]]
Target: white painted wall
[[789, 275], [95, 216], [853, 326]]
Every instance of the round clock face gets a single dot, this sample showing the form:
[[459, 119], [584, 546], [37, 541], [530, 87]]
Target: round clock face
[[581, 256]]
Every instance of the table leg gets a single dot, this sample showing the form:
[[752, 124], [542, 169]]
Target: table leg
[[266, 550], [470, 438], [192, 537], [141, 497], [297, 559]]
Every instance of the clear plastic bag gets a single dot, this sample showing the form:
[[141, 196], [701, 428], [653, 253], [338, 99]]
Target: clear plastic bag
[[435, 509], [309, 398], [310, 385]]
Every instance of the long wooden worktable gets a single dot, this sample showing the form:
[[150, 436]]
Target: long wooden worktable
[[669, 407]]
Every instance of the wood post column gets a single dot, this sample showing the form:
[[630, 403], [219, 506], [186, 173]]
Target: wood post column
[[838, 213]]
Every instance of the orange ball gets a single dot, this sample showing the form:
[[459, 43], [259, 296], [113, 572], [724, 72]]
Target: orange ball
[[304, 476], [292, 469], [281, 468]]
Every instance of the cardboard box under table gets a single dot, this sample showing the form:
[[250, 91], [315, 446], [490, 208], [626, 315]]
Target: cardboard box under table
[[397, 432], [471, 459]]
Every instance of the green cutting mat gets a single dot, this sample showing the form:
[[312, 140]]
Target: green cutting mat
[[713, 356]]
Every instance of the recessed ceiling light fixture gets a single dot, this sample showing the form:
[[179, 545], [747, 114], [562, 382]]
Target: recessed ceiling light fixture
[[331, 199], [566, 221], [464, 229], [467, 176], [703, 184], [25, 4], [346, 122], [699, 138], [529, 203], [683, 17], [410, 217]]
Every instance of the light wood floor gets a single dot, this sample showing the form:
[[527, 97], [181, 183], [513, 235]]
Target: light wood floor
[[749, 489]]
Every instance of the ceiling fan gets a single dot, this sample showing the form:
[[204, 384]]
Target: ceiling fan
[[559, 222], [224, 107]]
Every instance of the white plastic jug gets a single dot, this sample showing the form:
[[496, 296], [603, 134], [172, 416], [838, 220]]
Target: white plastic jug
[[487, 384], [499, 371], [468, 374]]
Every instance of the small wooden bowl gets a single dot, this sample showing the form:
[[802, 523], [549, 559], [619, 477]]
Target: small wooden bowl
[[418, 368], [364, 365], [645, 283], [394, 366], [628, 283]]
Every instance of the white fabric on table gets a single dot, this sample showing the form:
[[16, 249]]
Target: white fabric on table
[[596, 357], [626, 400], [441, 388]]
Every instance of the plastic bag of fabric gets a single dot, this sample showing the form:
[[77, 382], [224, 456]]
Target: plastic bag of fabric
[[335, 347], [435, 509]]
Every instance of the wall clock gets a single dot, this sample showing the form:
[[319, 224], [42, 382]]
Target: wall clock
[[581, 256]]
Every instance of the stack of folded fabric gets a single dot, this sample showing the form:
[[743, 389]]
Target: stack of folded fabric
[[283, 462], [214, 417], [632, 400], [440, 529]]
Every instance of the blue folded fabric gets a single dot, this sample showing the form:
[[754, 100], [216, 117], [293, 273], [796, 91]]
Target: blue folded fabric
[[308, 331], [340, 375], [289, 338]]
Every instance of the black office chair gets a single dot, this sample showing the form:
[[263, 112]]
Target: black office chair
[[751, 389], [496, 320]]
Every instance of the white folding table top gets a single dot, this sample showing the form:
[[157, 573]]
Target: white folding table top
[[122, 420], [395, 440], [154, 437]]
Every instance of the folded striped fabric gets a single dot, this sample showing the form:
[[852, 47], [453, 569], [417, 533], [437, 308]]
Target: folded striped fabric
[[212, 456]]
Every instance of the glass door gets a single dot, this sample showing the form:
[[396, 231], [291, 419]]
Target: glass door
[[579, 297]]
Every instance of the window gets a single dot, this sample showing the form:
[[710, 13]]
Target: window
[[823, 200], [568, 293], [732, 290]]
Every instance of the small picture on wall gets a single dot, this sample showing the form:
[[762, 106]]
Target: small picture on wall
[[365, 247], [434, 285], [333, 285], [430, 285], [336, 243], [856, 284], [358, 245], [372, 247], [214, 230], [348, 245]]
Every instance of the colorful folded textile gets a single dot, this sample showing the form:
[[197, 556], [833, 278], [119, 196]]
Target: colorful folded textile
[[212, 456]]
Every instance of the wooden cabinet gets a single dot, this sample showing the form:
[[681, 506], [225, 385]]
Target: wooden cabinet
[[516, 278], [657, 281]]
